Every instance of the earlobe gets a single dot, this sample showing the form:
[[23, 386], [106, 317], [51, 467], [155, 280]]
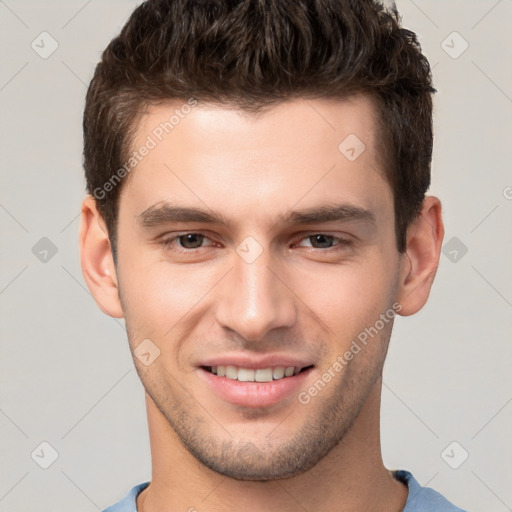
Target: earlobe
[[97, 261], [421, 259]]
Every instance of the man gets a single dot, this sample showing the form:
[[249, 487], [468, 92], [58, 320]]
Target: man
[[257, 173]]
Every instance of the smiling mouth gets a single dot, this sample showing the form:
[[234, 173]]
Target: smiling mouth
[[268, 374]]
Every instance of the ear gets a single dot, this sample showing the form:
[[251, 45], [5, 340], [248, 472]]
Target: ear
[[421, 258], [97, 260]]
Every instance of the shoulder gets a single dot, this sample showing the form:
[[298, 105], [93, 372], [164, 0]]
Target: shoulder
[[419, 499], [128, 503], [423, 499]]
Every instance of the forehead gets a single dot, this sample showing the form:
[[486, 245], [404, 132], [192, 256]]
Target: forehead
[[301, 151]]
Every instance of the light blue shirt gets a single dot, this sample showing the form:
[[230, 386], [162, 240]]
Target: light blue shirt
[[419, 499]]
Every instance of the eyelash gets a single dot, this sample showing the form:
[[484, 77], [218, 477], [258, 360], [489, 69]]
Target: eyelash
[[341, 244]]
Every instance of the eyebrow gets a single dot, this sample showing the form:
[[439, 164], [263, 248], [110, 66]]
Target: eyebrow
[[162, 213]]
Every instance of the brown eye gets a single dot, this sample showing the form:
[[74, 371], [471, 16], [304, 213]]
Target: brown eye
[[191, 240], [325, 243], [187, 243], [321, 241]]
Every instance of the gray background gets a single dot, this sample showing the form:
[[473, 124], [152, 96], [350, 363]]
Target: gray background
[[66, 374]]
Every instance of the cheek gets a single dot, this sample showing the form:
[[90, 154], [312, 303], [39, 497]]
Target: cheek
[[157, 295], [347, 297]]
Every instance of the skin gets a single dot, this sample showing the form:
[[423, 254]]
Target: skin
[[295, 298]]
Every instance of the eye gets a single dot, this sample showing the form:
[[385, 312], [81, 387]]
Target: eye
[[323, 241], [186, 242], [191, 240]]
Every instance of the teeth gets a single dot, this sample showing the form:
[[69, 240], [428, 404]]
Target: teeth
[[251, 375], [278, 372], [231, 372], [263, 375], [245, 375]]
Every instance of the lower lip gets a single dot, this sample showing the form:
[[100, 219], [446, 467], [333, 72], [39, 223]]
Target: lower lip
[[254, 394]]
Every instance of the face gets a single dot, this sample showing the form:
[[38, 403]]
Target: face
[[252, 244]]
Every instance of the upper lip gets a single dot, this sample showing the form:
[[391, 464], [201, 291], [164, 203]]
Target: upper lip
[[256, 362]]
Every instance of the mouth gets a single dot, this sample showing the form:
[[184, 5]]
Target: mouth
[[256, 387], [268, 374]]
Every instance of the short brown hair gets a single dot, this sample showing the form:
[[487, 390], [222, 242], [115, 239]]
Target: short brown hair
[[251, 54]]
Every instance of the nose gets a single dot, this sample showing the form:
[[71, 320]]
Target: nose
[[255, 298]]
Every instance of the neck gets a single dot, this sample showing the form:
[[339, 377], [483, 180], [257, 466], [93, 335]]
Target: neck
[[352, 477]]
